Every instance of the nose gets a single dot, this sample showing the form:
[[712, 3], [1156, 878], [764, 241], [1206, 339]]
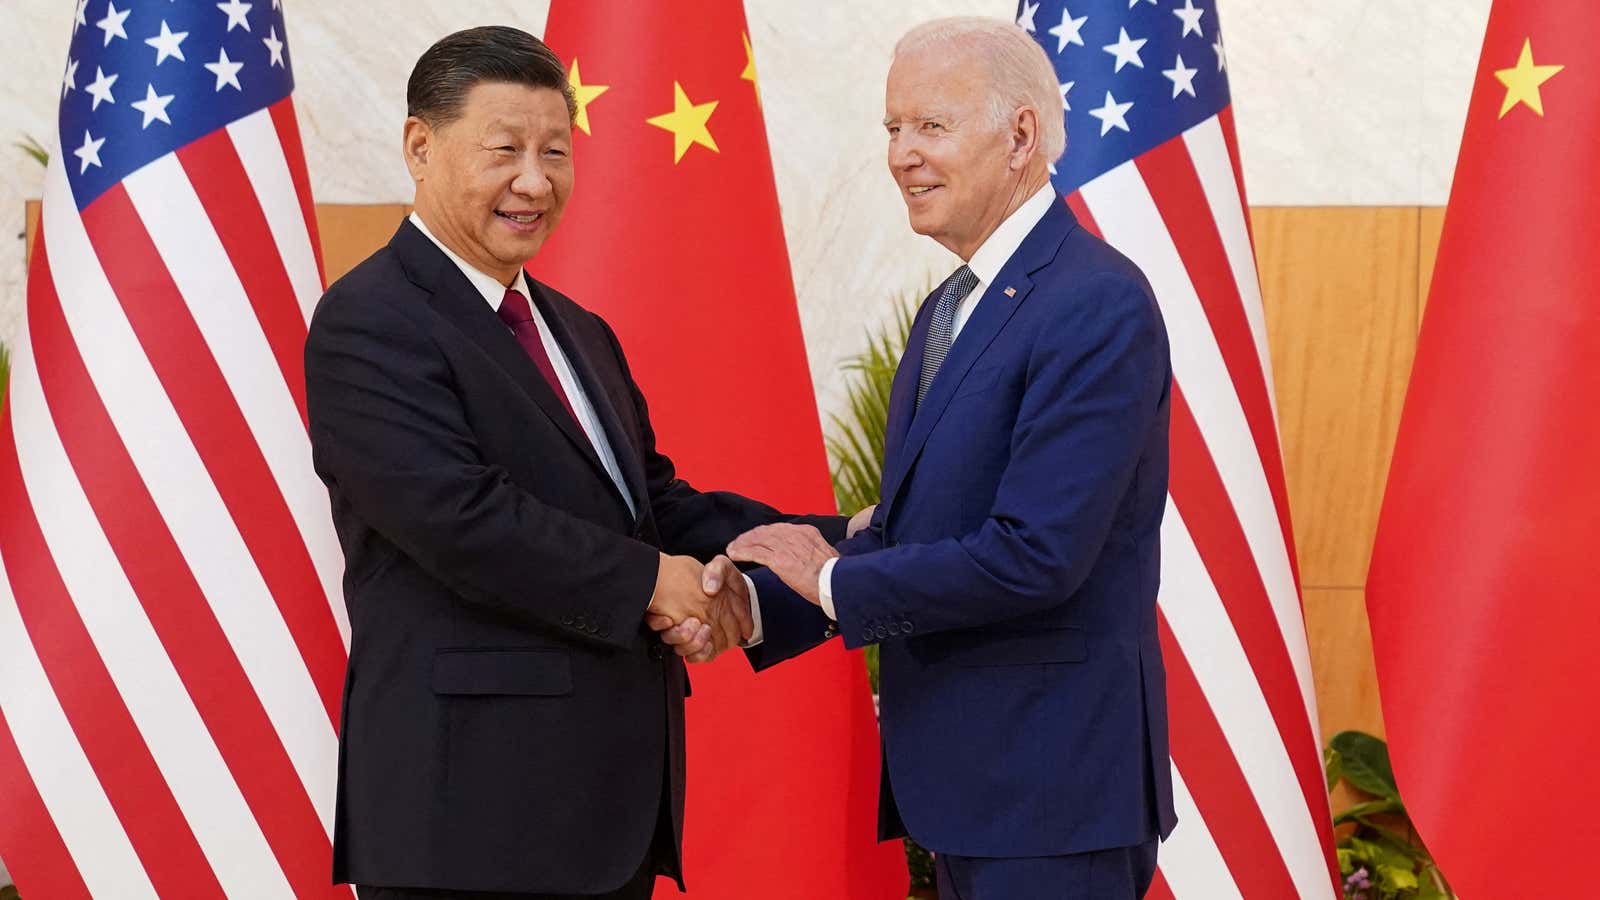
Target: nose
[[532, 180], [903, 154]]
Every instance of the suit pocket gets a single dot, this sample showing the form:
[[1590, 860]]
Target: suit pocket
[[978, 381], [1044, 645], [536, 673]]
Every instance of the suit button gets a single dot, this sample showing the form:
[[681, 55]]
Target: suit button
[[830, 631], [606, 631], [592, 628], [866, 636], [882, 632], [894, 629], [566, 620], [905, 627]]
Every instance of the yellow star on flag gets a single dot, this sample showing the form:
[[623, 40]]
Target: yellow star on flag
[[687, 122], [1522, 81], [584, 94], [749, 73]]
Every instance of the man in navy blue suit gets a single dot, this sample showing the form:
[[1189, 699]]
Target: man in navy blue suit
[[1009, 573]]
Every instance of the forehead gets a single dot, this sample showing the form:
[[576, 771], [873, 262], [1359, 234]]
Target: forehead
[[933, 82], [494, 104]]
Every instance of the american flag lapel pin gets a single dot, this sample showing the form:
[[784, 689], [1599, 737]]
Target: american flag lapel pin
[[1010, 292]]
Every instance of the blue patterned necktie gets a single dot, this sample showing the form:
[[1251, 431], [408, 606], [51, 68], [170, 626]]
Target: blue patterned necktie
[[956, 289]]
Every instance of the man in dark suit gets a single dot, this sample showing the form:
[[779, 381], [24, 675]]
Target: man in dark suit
[[1009, 572], [509, 724]]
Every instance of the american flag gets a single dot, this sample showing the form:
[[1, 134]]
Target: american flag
[[1153, 167], [172, 631]]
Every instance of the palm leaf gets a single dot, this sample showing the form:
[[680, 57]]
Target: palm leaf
[[855, 438], [34, 149]]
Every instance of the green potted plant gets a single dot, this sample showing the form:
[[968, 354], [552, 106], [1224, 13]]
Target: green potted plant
[[1380, 854]]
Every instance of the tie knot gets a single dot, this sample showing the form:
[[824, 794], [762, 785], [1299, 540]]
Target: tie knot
[[961, 283], [514, 309]]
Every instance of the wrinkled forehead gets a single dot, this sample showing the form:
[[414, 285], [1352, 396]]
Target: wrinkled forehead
[[933, 83]]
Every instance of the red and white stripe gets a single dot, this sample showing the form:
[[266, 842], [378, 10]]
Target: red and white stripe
[[1254, 821], [172, 628]]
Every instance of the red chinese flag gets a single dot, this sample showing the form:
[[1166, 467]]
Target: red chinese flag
[[673, 235], [1483, 585]]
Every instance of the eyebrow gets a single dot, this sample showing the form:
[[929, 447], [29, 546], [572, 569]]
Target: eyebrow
[[919, 117]]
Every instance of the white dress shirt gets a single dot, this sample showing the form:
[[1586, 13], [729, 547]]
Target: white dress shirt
[[986, 263], [495, 293]]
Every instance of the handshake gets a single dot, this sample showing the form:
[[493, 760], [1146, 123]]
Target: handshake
[[701, 611]]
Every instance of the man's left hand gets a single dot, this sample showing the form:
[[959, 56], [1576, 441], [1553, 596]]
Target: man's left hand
[[795, 553]]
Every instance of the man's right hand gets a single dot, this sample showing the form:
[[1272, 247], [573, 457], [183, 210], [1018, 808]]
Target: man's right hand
[[683, 593]]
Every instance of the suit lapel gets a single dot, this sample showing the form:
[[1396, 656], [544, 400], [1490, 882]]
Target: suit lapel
[[621, 443], [994, 310], [454, 297], [903, 398]]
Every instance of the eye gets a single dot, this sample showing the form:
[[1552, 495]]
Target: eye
[[556, 152], [893, 130], [932, 126]]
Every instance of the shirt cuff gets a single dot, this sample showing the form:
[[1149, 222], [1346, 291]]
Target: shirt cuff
[[825, 589], [756, 634]]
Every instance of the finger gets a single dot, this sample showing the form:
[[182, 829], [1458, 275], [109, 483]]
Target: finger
[[745, 620], [698, 643], [659, 623], [716, 573], [682, 633], [752, 552]]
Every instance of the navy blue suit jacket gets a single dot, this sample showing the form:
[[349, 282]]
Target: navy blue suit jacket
[[1009, 574]]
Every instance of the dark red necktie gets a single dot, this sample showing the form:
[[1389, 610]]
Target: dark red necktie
[[518, 316]]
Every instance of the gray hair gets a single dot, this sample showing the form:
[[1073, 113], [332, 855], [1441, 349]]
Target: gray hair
[[1021, 73]]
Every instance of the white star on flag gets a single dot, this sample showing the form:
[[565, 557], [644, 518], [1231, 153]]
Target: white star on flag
[[1126, 50], [274, 47], [1190, 17], [1182, 78], [1069, 31], [1133, 3], [112, 24], [226, 70], [100, 89], [1065, 87], [166, 44], [1112, 115], [1026, 19], [70, 79], [89, 153], [153, 107], [77, 16], [237, 13], [1222, 57]]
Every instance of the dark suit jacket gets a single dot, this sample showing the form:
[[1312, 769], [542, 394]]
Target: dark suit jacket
[[1009, 574], [509, 724]]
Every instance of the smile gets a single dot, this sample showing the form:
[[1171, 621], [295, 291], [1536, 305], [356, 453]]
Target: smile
[[527, 219], [919, 190]]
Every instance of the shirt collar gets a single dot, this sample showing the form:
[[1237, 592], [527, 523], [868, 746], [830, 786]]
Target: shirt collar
[[998, 249], [487, 285]]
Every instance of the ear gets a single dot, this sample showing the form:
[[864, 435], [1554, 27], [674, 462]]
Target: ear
[[1024, 137], [416, 143]]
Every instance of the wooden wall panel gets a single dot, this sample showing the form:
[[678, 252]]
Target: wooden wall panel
[[1340, 288], [1341, 661], [351, 233], [1429, 226]]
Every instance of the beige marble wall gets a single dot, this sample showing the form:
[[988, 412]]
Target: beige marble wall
[[1337, 103]]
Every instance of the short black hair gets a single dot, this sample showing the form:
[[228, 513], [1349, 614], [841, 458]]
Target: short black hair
[[451, 68]]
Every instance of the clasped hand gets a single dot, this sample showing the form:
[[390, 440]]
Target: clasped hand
[[795, 553], [700, 610]]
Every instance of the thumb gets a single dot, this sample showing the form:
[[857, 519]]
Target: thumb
[[711, 579]]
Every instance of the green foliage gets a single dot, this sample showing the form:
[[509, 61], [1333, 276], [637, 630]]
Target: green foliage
[[34, 149], [855, 441], [1380, 857]]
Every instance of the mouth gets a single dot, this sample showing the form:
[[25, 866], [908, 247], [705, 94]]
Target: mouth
[[921, 190], [521, 221]]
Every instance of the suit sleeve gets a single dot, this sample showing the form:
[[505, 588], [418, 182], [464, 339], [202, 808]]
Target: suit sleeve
[[390, 438], [693, 522], [1097, 384]]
